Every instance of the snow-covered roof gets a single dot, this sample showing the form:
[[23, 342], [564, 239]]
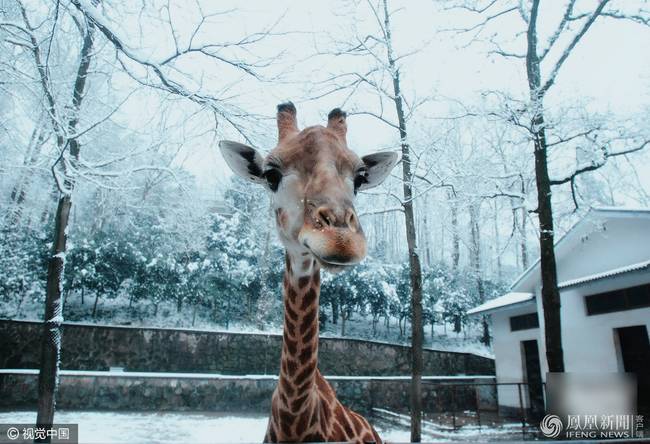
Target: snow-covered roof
[[519, 289], [506, 300], [609, 273], [584, 225], [573, 235]]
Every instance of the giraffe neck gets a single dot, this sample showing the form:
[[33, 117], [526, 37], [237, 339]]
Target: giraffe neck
[[301, 289]]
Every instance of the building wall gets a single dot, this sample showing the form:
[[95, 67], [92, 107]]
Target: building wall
[[508, 353], [589, 342], [604, 241]]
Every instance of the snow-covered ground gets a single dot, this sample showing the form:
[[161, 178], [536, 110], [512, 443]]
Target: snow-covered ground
[[159, 428], [163, 428]]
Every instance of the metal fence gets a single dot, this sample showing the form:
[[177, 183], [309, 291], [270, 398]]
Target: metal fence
[[477, 404]]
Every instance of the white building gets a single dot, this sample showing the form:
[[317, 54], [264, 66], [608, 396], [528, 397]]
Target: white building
[[603, 266]]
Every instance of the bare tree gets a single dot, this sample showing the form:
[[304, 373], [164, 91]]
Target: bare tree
[[531, 115], [383, 79], [168, 73], [63, 110], [68, 146]]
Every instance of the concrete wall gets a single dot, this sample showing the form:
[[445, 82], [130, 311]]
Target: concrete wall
[[184, 392], [90, 347]]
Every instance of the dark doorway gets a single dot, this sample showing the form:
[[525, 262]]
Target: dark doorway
[[533, 374], [635, 353]]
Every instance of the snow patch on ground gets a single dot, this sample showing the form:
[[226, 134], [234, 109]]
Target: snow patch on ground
[[167, 428]]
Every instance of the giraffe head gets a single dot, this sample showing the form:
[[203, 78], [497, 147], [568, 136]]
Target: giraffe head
[[313, 178]]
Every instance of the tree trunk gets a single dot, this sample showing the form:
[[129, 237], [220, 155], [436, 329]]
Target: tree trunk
[[19, 191], [497, 242], [476, 266], [455, 239], [228, 314], [51, 343], [95, 304], [417, 336], [524, 247], [550, 291]]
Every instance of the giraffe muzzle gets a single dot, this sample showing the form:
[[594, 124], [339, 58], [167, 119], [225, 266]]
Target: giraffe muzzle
[[335, 243]]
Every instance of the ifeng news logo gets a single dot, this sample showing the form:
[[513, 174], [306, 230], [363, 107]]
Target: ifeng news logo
[[551, 426], [592, 426]]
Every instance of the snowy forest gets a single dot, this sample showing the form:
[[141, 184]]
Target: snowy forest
[[111, 113]]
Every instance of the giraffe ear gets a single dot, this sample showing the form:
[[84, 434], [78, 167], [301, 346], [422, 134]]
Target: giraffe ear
[[243, 160], [378, 167]]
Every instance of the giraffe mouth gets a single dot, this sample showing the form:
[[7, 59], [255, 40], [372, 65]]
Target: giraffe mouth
[[329, 265], [332, 268]]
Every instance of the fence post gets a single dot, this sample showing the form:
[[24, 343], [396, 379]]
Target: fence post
[[453, 405], [522, 411], [478, 405]]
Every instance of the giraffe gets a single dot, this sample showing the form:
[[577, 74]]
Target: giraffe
[[312, 177]]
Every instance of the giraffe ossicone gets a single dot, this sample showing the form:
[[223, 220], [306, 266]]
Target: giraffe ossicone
[[312, 177]]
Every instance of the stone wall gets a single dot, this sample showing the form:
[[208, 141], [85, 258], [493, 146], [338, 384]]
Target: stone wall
[[160, 392], [91, 347]]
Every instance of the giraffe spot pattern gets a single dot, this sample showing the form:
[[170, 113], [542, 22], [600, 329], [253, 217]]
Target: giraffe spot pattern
[[306, 355], [288, 389], [292, 314], [305, 373], [291, 345], [292, 366], [308, 322], [303, 281], [342, 419], [291, 293], [308, 299], [301, 424], [290, 328], [293, 418], [297, 403], [309, 335]]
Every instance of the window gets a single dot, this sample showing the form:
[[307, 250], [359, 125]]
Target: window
[[618, 300], [524, 322]]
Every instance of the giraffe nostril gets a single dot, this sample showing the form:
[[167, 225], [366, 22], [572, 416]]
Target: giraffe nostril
[[325, 216], [351, 220]]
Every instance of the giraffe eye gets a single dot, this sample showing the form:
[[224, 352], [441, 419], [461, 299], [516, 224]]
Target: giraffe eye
[[360, 177], [273, 178]]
